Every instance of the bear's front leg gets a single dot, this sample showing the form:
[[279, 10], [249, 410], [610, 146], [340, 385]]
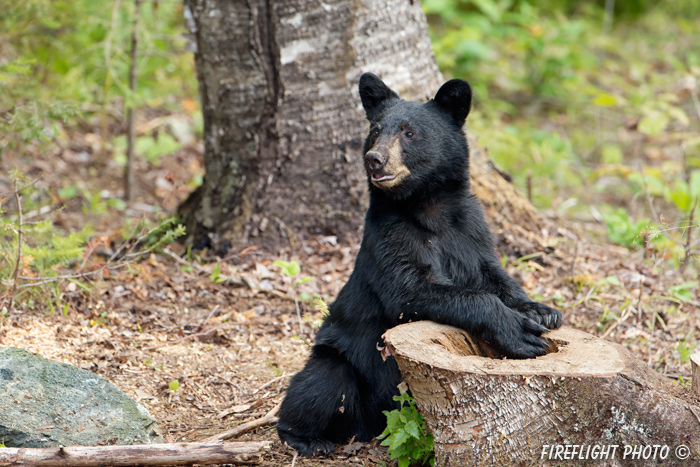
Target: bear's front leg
[[513, 296]]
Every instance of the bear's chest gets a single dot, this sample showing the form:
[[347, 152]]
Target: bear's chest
[[451, 260]]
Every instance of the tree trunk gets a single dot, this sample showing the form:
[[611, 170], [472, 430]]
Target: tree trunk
[[283, 123], [573, 405]]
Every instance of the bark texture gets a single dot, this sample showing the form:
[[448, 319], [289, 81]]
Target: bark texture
[[695, 365], [484, 411], [283, 121], [143, 454]]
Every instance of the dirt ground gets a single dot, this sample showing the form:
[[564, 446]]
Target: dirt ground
[[233, 345]]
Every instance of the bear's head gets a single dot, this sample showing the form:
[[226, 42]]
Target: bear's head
[[415, 147]]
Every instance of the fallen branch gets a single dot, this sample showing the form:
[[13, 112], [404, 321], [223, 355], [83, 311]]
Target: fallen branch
[[269, 419], [142, 454], [15, 272]]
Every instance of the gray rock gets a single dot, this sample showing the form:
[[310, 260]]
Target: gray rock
[[47, 404]]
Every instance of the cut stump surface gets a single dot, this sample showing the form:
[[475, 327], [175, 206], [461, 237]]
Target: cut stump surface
[[587, 392]]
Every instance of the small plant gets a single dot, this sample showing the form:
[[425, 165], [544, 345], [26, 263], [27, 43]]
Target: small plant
[[215, 275], [607, 318], [38, 259], [174, 385], [685, 348], [683, 292], [275, 369], [321, 307], [406, 436], [291, 269], [622, 230]]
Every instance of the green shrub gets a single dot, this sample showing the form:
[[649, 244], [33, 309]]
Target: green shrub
[[406, 436]]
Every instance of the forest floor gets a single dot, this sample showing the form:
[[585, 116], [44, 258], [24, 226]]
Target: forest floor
[[233, 345]]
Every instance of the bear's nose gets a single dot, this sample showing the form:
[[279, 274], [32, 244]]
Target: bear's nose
[[374, 161]]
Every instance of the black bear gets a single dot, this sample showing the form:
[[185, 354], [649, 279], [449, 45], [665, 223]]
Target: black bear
[[426, 254]]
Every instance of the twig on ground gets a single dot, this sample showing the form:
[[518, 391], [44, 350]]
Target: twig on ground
[[183, 339], [269, 383], [269, 419], [639, 299], [209, 316], [15, 273], [625, 314], [230, 280], [572, 272]]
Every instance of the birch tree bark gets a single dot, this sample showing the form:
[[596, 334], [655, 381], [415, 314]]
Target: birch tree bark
[[282, 116]]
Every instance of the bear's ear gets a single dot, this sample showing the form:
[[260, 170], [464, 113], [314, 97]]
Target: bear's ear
[[455, 96], [373, 93]]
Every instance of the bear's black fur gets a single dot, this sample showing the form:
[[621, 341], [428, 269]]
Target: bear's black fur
[[426, 254]]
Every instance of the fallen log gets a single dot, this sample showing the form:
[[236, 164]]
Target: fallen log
[[142, 454], [588, 399]]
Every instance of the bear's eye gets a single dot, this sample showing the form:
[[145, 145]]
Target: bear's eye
[[409, 134], [375, 131]]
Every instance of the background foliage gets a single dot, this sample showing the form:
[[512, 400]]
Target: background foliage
[[594, 113]]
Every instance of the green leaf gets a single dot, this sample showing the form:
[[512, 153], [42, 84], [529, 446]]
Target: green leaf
[[304, 280], [412, 429], [474, 49], [404, 434], [605, 100], [290, 268], [215, 275], [68, 192], [612, 280], [393, 422], [489, 8], [400, 437], [653, 123], [680, 195], [622, 230], [683, 292], [294, 268], [695, 183], [174, 385], [116, 203], [154, 148], [679, 115], [611, 154]]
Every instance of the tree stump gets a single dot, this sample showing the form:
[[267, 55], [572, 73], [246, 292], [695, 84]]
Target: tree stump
[[588, 401], [695, 365]]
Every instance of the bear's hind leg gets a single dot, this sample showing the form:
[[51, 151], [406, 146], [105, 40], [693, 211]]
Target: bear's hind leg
[[322, 405]]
